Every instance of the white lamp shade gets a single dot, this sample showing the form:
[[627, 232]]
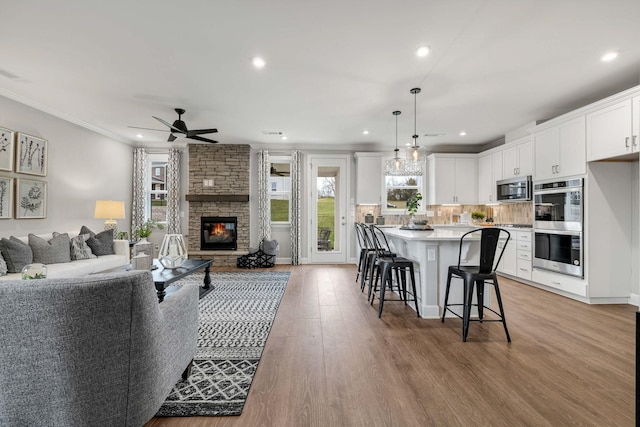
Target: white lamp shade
[[109, 209]]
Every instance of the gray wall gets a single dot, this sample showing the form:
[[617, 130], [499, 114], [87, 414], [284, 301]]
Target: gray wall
[[83, 167]]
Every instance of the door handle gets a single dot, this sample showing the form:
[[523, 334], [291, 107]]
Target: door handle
[[626, 142], [635, 144]]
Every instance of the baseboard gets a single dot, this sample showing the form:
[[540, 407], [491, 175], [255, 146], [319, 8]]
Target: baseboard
[[283, 260], [634, 299]]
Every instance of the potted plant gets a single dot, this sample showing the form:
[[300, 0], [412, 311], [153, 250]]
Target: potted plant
[[412, 206], [477, 216], [147, 228]]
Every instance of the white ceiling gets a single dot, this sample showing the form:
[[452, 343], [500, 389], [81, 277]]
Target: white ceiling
[[334, 68]]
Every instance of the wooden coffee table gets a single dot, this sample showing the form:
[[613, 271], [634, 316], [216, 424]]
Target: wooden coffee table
[[163, 277]]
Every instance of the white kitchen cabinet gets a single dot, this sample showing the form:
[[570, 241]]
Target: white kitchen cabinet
[[517, 158], [453, 178], [562, 282], [369, 176], [613, 131], [489, 171], [560, 150], [509, 262]]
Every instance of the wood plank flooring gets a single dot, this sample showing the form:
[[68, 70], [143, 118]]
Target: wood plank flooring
[[329, 361]]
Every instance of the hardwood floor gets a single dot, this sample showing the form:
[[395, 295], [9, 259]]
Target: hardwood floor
[[329, 361]]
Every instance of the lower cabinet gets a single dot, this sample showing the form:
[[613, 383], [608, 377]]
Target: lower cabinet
[[562, 282]]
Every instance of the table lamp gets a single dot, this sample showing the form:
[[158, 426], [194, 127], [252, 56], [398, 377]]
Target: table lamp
[[109, 210]]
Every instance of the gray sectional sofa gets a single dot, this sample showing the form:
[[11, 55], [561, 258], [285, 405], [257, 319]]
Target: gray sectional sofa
[[92, 351]]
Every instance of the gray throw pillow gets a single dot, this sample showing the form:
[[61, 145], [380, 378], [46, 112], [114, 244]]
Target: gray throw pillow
[[101, 243], [80, 249], [270, 247], [53, 251], [3, 266], [85, 230], [16, 253]]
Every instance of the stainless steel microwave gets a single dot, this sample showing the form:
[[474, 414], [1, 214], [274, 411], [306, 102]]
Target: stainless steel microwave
[[514, 189]]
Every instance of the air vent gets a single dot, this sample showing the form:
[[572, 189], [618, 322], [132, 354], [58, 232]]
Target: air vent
[[434, 134], [271, 132]]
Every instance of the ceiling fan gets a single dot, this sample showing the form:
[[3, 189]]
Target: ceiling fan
[[180, 127]]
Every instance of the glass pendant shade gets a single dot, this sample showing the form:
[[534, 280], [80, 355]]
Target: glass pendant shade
[[415, 156], [173, 252], [395, 166]]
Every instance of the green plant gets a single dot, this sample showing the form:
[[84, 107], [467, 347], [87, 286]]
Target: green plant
[[477, 215], [147, 228], [413, 204]]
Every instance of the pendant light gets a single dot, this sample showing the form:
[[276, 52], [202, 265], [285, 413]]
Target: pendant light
[[414, 151], [396, 166]]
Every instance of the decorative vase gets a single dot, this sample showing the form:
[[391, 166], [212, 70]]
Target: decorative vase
[[34, 271], [412, 221], [173, 252], [143, 246]]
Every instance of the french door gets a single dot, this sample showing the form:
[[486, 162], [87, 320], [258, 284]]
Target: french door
[[329, 179]]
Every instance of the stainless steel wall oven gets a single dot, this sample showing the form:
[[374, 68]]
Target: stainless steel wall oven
[[559, 241]]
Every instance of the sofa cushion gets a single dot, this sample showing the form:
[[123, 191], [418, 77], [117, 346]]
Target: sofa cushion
[[79, 248], [3, 266], [102, 243], [53, 251], [16, 253]]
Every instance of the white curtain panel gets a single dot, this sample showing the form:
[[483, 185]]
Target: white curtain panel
[[296, 201], [264, 200], [139, 188], [173, 192]]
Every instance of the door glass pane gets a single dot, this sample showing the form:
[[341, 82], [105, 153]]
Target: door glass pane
[[327, 181]]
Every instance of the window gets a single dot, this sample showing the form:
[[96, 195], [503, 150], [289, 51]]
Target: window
[[398, 189], [157, 187], [280, 180]]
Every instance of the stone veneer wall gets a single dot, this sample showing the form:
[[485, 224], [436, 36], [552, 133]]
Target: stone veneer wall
[[228, 166]]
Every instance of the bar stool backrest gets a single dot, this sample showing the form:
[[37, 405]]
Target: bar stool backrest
[[380, 241], [360, 237], [488, 244]]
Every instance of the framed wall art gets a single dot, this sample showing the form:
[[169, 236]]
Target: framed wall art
[[6, 149], [6, 197], [31, 198], [31, 155]]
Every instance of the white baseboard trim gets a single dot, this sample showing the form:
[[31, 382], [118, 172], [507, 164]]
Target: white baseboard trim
[[634, 299], [283, 260]]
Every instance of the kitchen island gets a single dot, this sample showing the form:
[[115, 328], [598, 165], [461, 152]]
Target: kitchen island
[[432, 252]]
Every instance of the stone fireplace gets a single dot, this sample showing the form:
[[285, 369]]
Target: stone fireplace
[[219, 184], [218, 233]]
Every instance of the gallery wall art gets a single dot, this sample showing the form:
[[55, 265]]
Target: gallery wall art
[[31, 155], [6, 149], [6, 197], [31, 198]]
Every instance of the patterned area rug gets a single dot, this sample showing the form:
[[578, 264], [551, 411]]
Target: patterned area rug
[[235, 320]]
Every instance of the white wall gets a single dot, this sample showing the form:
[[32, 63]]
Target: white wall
[[635, 232], [83, 167]]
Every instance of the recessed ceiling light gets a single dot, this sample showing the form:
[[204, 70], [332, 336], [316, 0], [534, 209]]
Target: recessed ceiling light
[[284, 138], [365, 132], [609, 56], [258, 62], [423, 51], [463, 133], [139, 135]]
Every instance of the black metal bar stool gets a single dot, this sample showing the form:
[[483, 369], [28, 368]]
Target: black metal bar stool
[[370, 260], [365, 250], [386, 264], [478, 275]]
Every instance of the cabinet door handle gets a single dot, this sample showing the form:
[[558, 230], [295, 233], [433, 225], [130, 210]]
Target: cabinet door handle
[[514, 171], [635, 144], [626, 142]]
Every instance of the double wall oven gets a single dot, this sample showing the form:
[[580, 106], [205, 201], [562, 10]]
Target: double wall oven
[[559, 240]]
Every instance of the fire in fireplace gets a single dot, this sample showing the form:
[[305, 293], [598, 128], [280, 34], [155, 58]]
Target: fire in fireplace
[[218, 233]]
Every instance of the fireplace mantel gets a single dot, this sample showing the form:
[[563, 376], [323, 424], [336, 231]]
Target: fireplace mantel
[[217, 197]]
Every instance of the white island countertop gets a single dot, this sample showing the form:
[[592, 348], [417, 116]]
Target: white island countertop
[[437, 234]]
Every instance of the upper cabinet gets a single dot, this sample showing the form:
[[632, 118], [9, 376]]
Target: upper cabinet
[[517, 158], [613, 131], [453, 179], [489, 171], [560, 150], [369, 175]]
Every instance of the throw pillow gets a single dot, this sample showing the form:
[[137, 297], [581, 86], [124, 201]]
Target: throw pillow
[[16, 253], [101, 243], [3, 266], [85, 230], [80, 249], [53, 251]]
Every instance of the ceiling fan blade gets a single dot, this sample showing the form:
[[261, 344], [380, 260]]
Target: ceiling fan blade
[[199, 138], [172, 138], [159, 130], [167, 124], [201, 131]]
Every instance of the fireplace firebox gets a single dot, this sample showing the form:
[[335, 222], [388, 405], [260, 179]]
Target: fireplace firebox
[[219, 233]]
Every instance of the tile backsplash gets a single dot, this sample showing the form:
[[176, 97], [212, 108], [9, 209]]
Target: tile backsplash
[[508, 213]]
